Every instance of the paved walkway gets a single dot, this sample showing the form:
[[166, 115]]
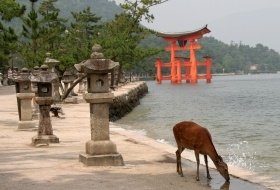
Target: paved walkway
[[149, 165]]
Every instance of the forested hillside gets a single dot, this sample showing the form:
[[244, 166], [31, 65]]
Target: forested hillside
[[230, 58], [234, 57], [103, 8]]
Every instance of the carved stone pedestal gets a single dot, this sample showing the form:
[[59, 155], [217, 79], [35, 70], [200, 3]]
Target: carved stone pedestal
[[102, 160], [101, 153], [24, 100], [25, 122], [45, 132], [44, 139]]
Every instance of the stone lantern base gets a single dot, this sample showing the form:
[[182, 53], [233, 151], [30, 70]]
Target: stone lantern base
[[44, 139], [25, 109], [27, 125], [101, 160], [101, 153]]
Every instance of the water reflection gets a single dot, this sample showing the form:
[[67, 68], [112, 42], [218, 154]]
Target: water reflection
[[225, 186], [217, 183]]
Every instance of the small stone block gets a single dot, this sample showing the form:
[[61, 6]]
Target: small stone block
[[101, 160], [27, 125], [44, 139]]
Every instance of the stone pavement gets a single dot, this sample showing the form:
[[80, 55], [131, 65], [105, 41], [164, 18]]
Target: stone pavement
[[149, 164]]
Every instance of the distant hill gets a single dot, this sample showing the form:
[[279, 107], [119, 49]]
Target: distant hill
[[103, 8], [230, 57]]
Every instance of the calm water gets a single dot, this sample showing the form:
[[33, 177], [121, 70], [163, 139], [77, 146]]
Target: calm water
[[241, 112]]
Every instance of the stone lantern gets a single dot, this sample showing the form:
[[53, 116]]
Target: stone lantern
[[24, 98], [100, 150], [51, 63], [45, 100], [68, 79], [34, 77]]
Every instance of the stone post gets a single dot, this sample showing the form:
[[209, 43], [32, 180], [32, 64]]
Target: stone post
[[34, 79], [1, 78], [24, 99], [45, 132], [81, 85], [68, 79], [56, 83], [85, 84], [100, 150], [71, 83]]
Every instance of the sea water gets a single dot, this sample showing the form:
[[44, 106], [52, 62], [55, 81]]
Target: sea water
[[241, 112]]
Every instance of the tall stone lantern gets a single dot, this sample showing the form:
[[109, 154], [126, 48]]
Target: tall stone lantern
[[24, 99], [51, 63], [100, 150], [34, 77], [45, 100]]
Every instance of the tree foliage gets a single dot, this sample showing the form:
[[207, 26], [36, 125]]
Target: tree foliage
[[85, 28], [9, 9], [77, 40], [126, 33], [31, 43], [68, 28], [238, 57], [52, 25]]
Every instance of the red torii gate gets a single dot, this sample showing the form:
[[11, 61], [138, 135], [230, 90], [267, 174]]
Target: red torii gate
[[184, 41]]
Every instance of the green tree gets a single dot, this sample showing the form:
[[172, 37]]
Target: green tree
[[126, 33], [52, 25], [9, 9], [83, 31], [77, 39], [31, 43]]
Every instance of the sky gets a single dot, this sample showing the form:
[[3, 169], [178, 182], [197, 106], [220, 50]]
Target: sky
[[246, 21]]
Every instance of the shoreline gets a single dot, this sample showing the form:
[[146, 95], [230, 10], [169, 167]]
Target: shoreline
[[188, 155], [149, 164]]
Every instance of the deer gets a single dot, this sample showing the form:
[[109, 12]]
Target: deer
[[195, 137]]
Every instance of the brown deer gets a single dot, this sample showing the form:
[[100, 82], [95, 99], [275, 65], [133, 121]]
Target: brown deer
[[194, 137]]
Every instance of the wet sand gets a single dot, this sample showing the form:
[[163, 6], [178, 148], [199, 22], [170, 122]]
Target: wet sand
[[148, 164]]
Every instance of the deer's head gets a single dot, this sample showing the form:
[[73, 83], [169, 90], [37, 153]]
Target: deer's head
[[222, 168]]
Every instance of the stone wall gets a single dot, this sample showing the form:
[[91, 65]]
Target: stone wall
[[126, 98]]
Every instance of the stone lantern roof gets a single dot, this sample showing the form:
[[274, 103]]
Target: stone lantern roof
[[97, 63], [24, 76], [45, 75], [49, 61]]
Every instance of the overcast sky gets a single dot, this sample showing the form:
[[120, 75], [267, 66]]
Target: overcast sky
[[248, 21]]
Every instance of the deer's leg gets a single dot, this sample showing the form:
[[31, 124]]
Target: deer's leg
[[207, 169], [197, 164], [178, 158], [178, 161]]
